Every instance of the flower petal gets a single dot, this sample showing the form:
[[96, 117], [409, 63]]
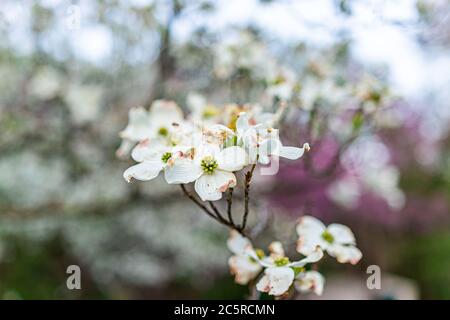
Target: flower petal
[[232, 159], [242, 123], [238, 243], [276, 280], [148, 150], [315, 256], [182, 170], [310, 232], [276, 250], [341, 234], [310, 281], [210, 186], [243, 269], [144, 171], [344, 254], [139, 126], [291, 153], [163, 113]]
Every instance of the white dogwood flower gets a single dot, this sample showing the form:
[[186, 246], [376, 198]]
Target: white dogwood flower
[[337, 239], [157, 123], [262, 141], [152, 160], [280, 272], [310, 281], [211, 169], [243, 267]]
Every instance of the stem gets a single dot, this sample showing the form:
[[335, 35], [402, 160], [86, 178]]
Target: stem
[[198, 203], [218, 214], [219, 218], [230, 202], [248, 178]]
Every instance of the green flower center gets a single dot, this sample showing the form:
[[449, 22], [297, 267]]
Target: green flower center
[[166, 156], [328, 237], [281, 261], [209, 164], [163, 131]]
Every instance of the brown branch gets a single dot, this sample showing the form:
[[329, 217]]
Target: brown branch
[[218, 214], [219, 218], [248, 178], [198, 203], [229, 205]]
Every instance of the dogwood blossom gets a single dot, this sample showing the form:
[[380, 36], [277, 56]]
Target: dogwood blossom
[[279, 273], [157, 123], [242, 266], [310, 281], [337, 239], [262, 141]]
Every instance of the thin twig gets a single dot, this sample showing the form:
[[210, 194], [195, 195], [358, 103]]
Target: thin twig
[[217, 212], [198, 203], [229, 205], [248, 178], [218, 218]]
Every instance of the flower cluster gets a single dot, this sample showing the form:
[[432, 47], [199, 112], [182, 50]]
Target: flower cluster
[[280, 273], [208, 153], [208, 147]]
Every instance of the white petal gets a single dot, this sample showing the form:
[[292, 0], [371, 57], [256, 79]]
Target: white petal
[[310, 281], [242, 123], [210, 186], [232, 159], [276, 250], [237, 243], [341, 234], [310, 232], [144, 171], [344, 254], [125, 148], [268, 147], [243, 268], [147, 150], [291, 153], [182, 170], [276, 280], [163, 113], [139, 126], [315, 256]]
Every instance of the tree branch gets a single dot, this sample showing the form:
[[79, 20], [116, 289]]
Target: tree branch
[[229, 204], [248, 178]]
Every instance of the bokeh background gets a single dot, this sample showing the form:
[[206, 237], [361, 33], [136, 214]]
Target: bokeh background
[[71, 70]]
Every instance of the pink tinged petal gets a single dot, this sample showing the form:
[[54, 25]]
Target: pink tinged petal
[[310, 232], [341, 234], [310, 281], [313, 257], [182, 170], [276, 250], [232, 159], [144, 171], [276, 280], [125, 148], [345, 254], [243, 269], [210, 186], [238, 243], [147, 150]]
